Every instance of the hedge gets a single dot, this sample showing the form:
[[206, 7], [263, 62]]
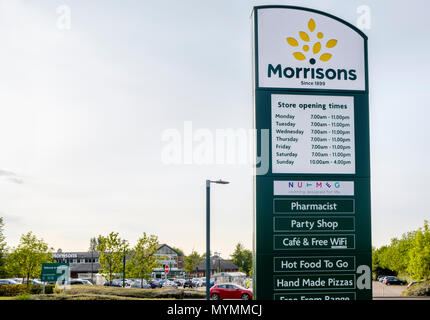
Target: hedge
[[11, 290], [162, 293], [419, 289]]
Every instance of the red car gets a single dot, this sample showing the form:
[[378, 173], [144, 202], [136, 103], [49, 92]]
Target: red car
[[230, 291]]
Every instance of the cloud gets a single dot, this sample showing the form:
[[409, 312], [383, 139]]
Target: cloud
[[10, 176]]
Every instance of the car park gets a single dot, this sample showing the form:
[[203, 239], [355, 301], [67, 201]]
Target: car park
[[197, 282], [229, 291], [8, 281], [116, 283], [155, 284], [179, 282], [189, 283], [169, 283], [33, 281], [138, 283], [394, 280], [384, 280], [80, 281], [211, 284], [17, 280], [381, 278]]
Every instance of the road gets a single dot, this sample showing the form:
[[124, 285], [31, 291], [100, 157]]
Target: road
[[393, 292], [382, 290]]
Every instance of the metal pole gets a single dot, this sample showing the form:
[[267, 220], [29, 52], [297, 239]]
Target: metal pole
[[123, 271], [92, 270], [208, 247]]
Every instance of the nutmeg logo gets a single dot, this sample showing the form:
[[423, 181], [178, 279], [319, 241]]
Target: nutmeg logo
[[314, 40]]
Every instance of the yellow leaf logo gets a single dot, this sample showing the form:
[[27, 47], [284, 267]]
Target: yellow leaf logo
[[325, 57], [312, 40], [331, 43], [299, 56], [292, 42]]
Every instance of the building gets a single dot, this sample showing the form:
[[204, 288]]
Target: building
[[217, 265], [84, 265], [172, 258]]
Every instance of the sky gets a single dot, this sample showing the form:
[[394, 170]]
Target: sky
[[88, 90]]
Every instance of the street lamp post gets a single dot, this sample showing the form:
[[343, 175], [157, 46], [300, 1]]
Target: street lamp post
[[208, 229]]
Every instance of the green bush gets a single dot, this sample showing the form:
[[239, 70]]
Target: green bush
[[419, 289], [20, 289], [11, 290], [162, 293], [24, 296]]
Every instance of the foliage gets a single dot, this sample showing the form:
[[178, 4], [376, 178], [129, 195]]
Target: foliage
[[21, 289], [242, 258], [419, 254], [409, 255], [112, 250], [191, 261], [93, 245], [166, 293], [142, 258], [25, 261], [3, 251], [420, 289], [178, 250]]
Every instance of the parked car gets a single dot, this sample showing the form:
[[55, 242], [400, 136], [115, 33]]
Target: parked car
[[211, 284], [189, 283], [155, 284], [8, 281], [386, 278], [80, 281], [33, 281], [229, 291], [381, 278], [138, 283], [394, 280], [197, 282], [169, 283], [115, 283], [179, 282]]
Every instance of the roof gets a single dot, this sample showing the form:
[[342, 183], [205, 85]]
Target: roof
[[85, 267], [165, 245], [217, 262], [75, 255]]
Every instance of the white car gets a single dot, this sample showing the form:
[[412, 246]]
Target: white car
[[197, 282], [169, 283], [8, 281]]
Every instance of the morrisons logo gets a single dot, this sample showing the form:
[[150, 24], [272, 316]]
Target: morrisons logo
[[310, 73], [311, 45]]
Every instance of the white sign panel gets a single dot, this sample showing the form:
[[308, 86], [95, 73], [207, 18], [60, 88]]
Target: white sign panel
[[313, 188], [306, 50], [313, 134]]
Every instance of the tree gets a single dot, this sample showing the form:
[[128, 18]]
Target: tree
[[112, 250], [409, 255], [26, 259], [92, 249], [180, 251], [419, 255], [143, 258], [3, 251], [191, 261], [242, 258]]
